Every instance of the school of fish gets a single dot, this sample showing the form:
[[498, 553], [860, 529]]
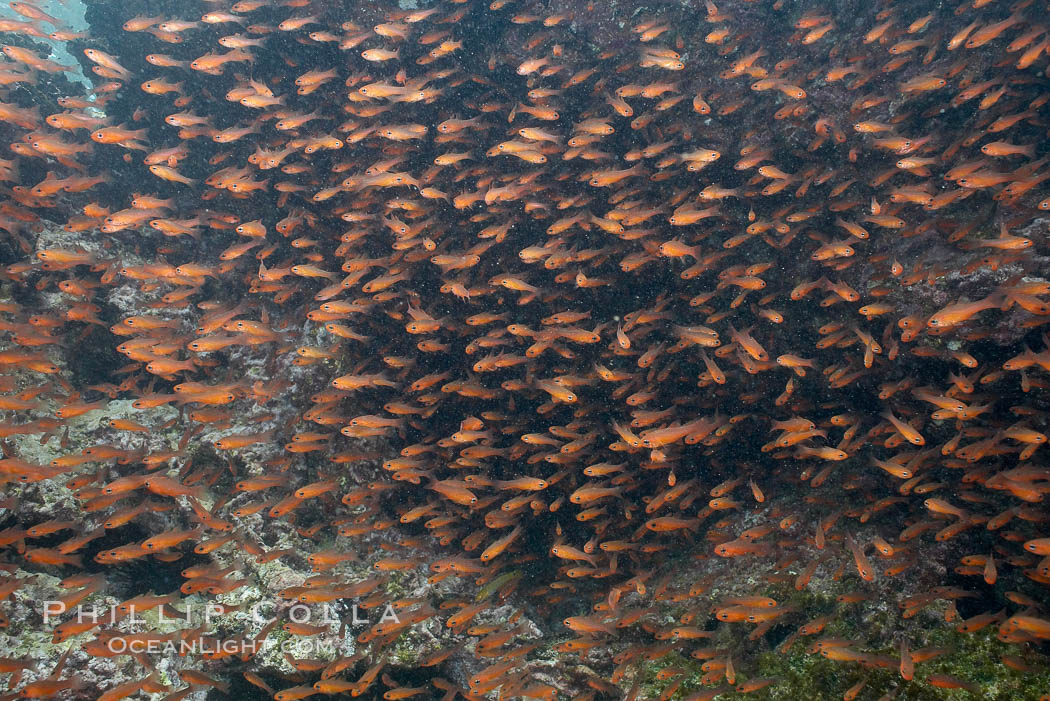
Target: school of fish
[[655, 337]]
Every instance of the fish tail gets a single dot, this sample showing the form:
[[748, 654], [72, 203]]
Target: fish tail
[[1000, 298], [384, 381]]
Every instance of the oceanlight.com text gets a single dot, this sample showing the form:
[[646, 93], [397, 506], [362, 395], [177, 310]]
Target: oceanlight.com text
[[211, 648]]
